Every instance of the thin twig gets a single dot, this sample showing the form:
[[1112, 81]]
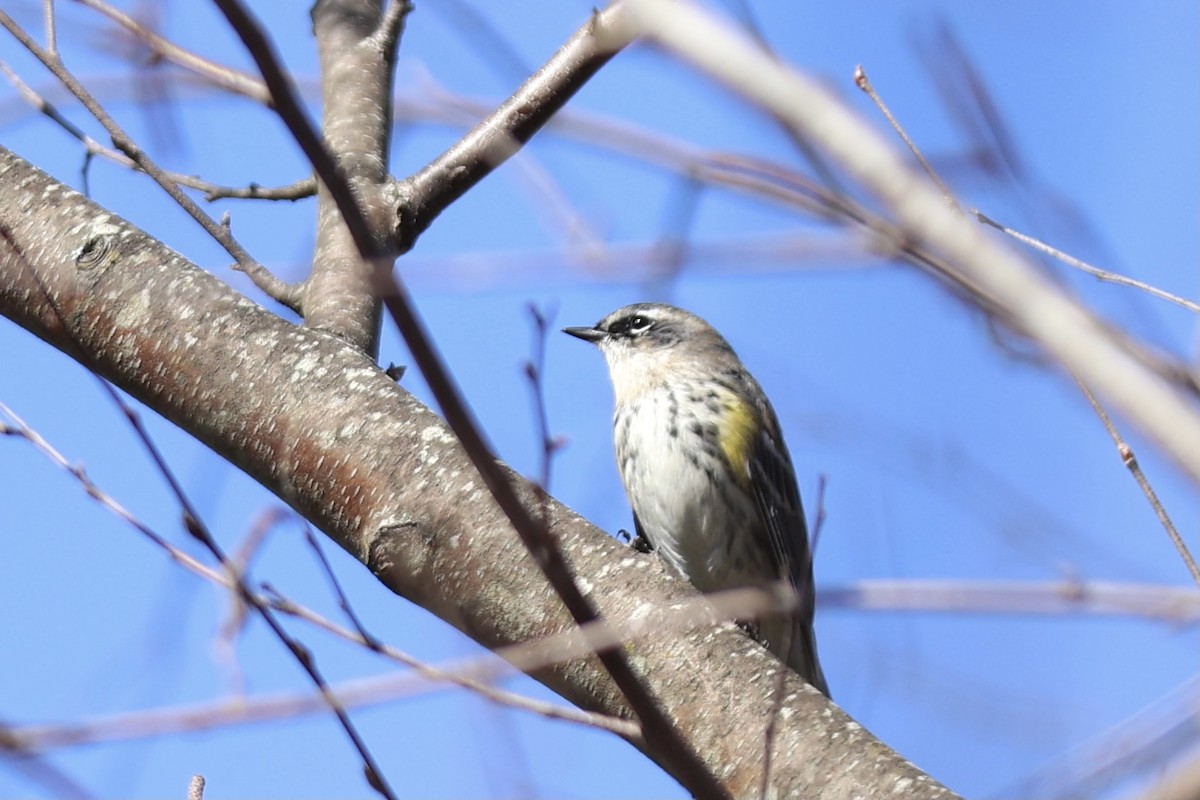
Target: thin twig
[[819, 515], [22, 430], [369, 639], [305, 187], [301, 189], [285, 294], [212, 191], [1083, 266], [475, 676], [196, 527], [1131, 463], [864, 83], [535, 374]]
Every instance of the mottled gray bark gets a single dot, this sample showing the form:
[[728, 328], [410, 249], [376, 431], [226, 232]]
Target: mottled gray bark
[[356, 91], [319, 425]]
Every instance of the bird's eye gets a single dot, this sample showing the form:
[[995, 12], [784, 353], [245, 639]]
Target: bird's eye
[[638, 323], [632, 325]]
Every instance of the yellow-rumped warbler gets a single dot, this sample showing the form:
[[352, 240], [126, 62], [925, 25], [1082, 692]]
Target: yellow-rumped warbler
[[705, 467]]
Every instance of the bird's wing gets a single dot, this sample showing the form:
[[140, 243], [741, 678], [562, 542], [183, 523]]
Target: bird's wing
[[772, 483], [773, 486]]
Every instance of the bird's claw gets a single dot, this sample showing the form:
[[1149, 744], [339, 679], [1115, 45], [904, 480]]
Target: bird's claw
[[638, 542]]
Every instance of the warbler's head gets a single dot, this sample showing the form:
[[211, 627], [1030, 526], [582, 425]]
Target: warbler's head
[[646, 344]]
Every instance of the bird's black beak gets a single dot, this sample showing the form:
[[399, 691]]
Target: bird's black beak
[[592, 335]]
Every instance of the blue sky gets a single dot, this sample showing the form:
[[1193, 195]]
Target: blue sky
[[947, 456]]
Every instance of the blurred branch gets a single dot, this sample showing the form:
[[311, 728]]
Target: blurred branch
[[694, 613], [1176, 605], [1141, 744], [1126, 452], [229, 577], [1180, 782], [37, 770], [212, 191], [617, 262], [1159, 396], [225, 78]]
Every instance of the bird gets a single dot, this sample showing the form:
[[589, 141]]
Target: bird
[[705, 467]]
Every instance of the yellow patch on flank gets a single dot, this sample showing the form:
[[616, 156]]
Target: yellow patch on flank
[[737, 431]]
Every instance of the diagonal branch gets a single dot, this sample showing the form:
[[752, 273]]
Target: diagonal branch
[[506, 130]]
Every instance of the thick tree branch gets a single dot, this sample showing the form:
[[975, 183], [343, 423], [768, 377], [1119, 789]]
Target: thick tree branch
[[318, 424]]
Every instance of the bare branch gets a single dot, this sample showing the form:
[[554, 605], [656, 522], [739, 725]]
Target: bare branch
[[1083, 266], [1142, 743], [51, 22], [1173, 605], [305, 187], [490, 143], [1131, 463], [864, 83], [690, 614], [391, 27], [125, 144], [223, 77]]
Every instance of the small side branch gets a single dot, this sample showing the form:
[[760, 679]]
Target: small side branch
[[423, 196]]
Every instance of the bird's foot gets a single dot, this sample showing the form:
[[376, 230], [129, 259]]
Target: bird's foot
[[638, 542]]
